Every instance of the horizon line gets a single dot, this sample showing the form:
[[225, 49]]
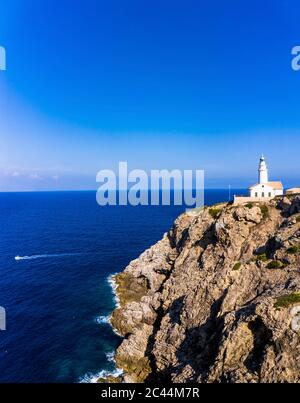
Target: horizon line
[[118, 190]]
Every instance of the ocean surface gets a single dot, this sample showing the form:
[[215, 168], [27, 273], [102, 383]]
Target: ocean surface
[[57, 250]]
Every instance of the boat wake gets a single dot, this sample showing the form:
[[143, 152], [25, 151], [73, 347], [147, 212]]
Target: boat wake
[[33, 257]]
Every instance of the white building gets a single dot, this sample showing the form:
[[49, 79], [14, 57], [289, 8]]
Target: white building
[[264, 188]]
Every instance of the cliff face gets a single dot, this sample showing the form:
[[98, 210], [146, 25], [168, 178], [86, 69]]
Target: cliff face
[[216, 299]]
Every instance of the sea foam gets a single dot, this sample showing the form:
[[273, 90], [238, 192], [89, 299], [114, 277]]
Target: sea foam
[[110, 356], [104, 373], [106, 319], [102, 320], [93, 378], [112, 283]]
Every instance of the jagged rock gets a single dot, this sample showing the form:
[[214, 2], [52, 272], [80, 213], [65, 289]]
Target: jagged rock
[[249, 214], [200, 305]]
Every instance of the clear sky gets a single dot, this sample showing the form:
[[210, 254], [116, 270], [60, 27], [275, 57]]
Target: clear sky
[[160, 84]]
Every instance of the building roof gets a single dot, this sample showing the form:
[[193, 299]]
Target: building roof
[[274, 185]]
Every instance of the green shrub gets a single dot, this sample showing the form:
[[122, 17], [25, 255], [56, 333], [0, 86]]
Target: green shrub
[[214, 212], [262, 257], [286, 300], [249, 205], [275, 264], [292, 250], [265, 211], [237, 266]]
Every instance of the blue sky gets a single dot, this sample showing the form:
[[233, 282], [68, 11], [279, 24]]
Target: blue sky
[[160, 84]]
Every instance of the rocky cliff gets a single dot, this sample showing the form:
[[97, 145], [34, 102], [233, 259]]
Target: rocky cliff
[[217, 299]]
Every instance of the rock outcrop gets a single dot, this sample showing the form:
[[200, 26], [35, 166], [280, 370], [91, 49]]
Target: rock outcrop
[[216, 300]]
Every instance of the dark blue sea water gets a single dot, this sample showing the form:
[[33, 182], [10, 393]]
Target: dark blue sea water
[[54, 297]]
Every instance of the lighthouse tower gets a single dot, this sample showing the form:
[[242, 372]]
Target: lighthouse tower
[[263, 176], [263, 190]]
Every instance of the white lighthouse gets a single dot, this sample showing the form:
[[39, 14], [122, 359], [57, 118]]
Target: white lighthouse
[[263, 190], [263, 176]]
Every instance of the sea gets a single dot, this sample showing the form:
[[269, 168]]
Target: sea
[[57, 253]]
